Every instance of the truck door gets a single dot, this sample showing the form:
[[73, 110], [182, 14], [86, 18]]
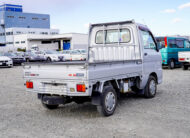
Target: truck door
[[152, 60]]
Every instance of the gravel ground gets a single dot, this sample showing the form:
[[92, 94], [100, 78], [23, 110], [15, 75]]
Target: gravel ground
[[165, 116]]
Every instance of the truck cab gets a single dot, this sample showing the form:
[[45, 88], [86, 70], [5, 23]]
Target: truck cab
[[121, 57]]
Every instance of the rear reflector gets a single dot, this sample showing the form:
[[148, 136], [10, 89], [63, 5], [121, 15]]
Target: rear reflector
[[81, 88], [29, 85], [181, 59]]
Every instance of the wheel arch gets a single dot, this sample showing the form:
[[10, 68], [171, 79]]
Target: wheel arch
[[155, 76]]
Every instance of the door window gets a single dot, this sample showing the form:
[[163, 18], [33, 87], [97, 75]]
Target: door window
[[148, 41], [180, 43], [187, 44]]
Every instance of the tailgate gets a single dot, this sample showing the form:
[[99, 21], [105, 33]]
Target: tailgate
[[184, 56], [61, 79], [52, 71]]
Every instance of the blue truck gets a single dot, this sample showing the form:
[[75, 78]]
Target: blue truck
[[170, 46]]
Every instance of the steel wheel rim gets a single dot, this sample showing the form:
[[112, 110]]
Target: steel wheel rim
[[110, 101], [152, 87], [172, 64]]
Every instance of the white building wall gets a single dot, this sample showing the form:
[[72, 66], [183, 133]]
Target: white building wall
[[26, 41], [21, 35], [79, 41]]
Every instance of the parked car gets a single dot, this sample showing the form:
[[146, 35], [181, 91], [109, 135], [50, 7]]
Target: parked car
[[170, 46], [124, 57], [184, 58], [34, 56], [66, 54], [53, 56], [77, 56], [21, 54], [83, 52], [17, 59], [5, 61]]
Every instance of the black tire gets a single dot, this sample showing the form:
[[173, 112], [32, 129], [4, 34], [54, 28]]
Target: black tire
[[79, 101], [103, 108], [185, 67], [171, 64], [150, 88], [50, 107], [27, 60], [49, 59]]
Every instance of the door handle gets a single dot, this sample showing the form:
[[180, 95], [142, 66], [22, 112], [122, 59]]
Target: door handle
[[146, 54]]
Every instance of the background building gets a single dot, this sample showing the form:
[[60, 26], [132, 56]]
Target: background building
[[13, 21], [67, 41]]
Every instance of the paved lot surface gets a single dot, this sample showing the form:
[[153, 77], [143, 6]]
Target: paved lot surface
[[165, 116]]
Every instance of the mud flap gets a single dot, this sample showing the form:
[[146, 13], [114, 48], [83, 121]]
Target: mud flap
[[96, 98]]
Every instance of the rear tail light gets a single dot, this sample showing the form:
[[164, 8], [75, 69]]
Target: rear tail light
[[164, 61], [181, 59], [166, 42], [81, 88], [29, 85]]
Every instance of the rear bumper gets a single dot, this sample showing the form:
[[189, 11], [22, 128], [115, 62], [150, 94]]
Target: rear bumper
[[5, 64], [186, 63], [67, 88], [18, 61]]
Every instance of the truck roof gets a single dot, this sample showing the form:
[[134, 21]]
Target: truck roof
[[114, 23], [141, 26], [171, 37]]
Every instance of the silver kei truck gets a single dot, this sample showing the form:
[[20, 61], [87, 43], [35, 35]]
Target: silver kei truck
[[122, 57]]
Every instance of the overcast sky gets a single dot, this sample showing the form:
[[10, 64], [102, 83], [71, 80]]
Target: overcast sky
[[164, 17]]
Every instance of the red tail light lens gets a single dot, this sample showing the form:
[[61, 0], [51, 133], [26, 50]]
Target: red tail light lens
[[181, 59], [29, 85], [166, 42], [81, 88]]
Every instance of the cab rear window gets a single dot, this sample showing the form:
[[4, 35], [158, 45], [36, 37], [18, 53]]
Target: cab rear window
[[113, 36]]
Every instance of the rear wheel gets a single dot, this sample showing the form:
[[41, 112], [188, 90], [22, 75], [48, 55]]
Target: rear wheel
[[49, 59], [151, 87], [27, 60], [108, 101], [171, 64], [185, 67]]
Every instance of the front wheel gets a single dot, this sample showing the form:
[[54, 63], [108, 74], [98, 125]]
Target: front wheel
[[27, 60], [151, 87], [108, 101], [49, 59]]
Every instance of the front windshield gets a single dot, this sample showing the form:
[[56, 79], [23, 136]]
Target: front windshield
[[83, 51], [66, 52], [9, 54], [161, 41], [51, 52], [39, 53], [19, 54], [75, 52], [32, 54]]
